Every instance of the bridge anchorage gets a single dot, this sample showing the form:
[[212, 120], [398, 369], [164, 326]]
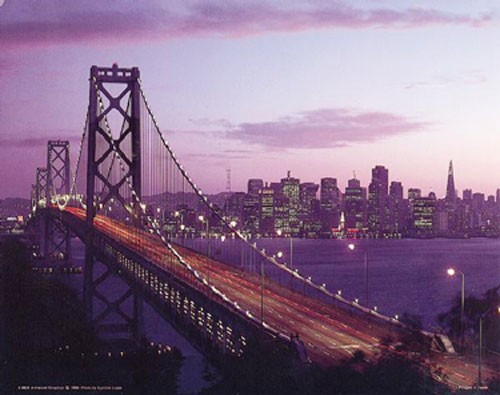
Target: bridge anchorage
[[152, 235]]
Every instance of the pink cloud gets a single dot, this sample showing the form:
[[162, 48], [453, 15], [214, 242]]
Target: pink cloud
[[20, 141], [324, 128], [33, 23], [471, 78]]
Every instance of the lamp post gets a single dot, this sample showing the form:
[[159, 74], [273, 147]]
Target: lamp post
[[204, 220], [451, 272], [262, 291], [279, 232], [280, 255], [352, 247], [480, 353]]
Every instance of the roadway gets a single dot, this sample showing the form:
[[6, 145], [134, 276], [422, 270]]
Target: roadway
[[330, 333]]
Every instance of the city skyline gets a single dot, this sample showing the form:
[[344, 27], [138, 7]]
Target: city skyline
[[364, 183], [319, 89], [380, 209]]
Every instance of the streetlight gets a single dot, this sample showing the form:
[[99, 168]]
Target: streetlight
[[451, 272], [279, 232], [262, 291], [182, 227], [202, 219], [480, 354], [280, 255], [352, 247]]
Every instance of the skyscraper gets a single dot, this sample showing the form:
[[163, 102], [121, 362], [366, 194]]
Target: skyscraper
[[266, 206], [308, 192], [450, 202], [254, 186], [251, 205], [309, 209], [330, 198], [414, 193], [377, 201], [451, 194], [354, 206], [396, 190], [291, 191], [423, 211], [398, 208]]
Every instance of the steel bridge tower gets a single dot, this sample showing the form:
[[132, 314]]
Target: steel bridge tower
[[38, 196], [103, 100], [57, 244], [52, 186], [40, 185]]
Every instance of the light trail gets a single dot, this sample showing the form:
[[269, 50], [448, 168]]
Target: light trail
[[330, 333]]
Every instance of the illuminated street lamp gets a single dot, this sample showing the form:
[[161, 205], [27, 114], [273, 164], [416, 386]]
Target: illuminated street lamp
[[279, 254], [352, 247], [480, 354], [262, 291], [204, 220], [182, 227], [451, 272], [279, 232]]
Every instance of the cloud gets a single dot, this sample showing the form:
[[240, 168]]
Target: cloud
[[31, 142], [206, 122], [324, 128], [447, 81], [5, 66], [227, 154], [34, 23]]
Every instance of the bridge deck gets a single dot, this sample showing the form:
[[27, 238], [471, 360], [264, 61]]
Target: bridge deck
[[329, 332]]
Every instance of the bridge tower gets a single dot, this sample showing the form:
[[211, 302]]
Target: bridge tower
[[40, 185], [115, 92], [39, 191], [57, 244]]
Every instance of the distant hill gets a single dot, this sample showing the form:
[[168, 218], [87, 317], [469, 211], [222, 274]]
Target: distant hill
[[10, 207]]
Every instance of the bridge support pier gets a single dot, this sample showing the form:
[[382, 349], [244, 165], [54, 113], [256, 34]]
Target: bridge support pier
[[120, 317]]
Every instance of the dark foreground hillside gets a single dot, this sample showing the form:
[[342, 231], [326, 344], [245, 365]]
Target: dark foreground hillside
[[47, 347]]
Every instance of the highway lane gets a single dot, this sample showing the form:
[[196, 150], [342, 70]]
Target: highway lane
[[323, 330], [329, 333]]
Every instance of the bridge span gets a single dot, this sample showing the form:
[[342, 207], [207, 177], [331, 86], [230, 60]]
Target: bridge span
[[243, 308], [130, 199]]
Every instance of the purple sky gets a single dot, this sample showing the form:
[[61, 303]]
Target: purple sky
[[321, 88]]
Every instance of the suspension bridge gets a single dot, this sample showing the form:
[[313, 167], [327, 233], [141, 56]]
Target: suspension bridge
[[146, 222]]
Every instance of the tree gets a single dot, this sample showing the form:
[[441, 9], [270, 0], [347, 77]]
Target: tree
[[474, 308]]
